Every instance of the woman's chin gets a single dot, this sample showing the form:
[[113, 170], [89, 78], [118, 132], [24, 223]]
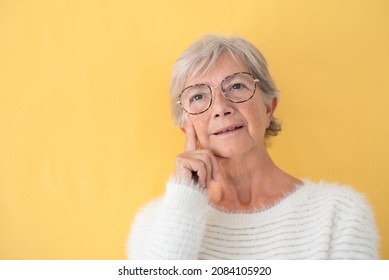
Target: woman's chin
[[225, 152]]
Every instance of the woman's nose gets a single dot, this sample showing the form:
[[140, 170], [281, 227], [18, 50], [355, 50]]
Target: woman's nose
[[221, 105]]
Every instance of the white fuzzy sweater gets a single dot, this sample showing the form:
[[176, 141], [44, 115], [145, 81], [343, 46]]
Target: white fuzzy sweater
[[317, 221]]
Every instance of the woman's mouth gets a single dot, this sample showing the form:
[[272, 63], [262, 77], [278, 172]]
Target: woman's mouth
[[228, 130]]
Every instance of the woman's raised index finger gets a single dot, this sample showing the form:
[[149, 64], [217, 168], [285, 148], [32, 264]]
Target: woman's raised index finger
[[191, 137]]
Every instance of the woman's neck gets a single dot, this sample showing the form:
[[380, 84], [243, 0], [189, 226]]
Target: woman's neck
[[249, 182]]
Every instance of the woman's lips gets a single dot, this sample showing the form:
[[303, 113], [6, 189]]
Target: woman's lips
[[228, 130]]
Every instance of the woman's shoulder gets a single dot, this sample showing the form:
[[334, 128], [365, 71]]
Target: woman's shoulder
[[331, 188], [341, 195], [354, 232]]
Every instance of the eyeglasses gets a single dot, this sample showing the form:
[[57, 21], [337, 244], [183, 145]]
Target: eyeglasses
[[237, 88]]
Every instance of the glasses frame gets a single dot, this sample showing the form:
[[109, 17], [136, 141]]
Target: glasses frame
[[212, 93]]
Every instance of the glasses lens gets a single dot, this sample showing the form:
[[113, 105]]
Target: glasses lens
[[239, 87], [196, 99]]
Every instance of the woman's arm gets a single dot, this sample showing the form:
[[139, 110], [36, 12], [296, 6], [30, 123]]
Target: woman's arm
[[171, 227]]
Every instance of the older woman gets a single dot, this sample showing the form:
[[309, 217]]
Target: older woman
[[227, 199]]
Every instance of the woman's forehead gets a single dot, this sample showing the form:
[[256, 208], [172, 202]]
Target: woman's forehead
[[214, 74]]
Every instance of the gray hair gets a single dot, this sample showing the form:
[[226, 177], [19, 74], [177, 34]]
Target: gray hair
[[203, 54]]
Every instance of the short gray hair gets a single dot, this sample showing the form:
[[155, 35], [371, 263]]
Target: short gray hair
[[203, 54]]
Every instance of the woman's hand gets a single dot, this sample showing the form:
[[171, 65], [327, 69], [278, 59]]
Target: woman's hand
[[199, 165]]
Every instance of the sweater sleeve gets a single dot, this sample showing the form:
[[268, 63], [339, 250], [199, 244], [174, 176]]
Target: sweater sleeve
[[171, 227], [355, 234]]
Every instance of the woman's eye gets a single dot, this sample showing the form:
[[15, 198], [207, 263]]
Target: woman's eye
[[237, 86], [196, 97]]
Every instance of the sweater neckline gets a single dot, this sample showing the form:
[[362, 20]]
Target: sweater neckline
[[295, 196]]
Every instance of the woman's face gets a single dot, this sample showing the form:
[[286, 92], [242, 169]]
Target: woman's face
[[246, 122]]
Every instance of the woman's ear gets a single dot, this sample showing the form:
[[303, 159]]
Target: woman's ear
[[271, 107]]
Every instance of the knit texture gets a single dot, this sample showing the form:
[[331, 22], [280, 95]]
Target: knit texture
[[316, 221]]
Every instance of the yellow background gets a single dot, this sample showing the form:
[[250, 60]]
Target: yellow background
[[85, 131]]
